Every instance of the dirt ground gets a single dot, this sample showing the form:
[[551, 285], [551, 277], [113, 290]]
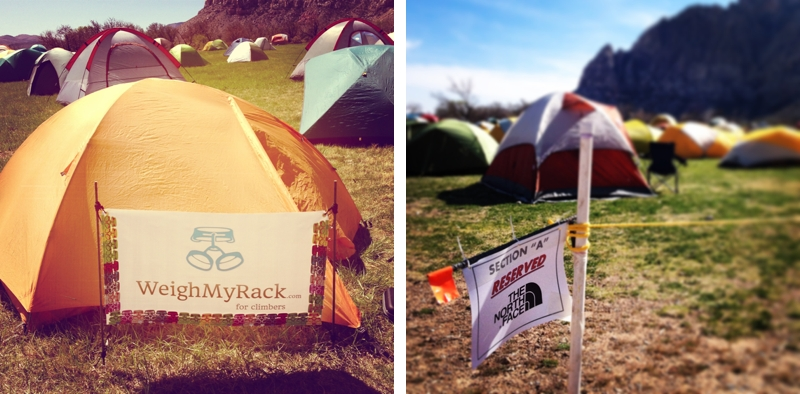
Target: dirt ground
[[628, 348]]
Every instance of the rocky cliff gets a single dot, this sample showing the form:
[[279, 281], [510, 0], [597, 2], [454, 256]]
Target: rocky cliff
[[300, 19], [740, 62]]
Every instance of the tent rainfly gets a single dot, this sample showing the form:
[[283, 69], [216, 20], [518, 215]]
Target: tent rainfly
[[696, 140], [772, 146], [112, 57], [343, 33], [246, 52], [164, 42], [216, 45], [450, 147], [45, 75], [148, 157], [17, 66], [264, 44], [234, 44], [187, 56], [349, 97], [279, 39], [642, 134], [538, 158]]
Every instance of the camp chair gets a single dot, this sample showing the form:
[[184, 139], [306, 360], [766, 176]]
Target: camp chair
[[663, 155]]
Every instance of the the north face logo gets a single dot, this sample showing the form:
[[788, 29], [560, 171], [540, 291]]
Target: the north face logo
[[214, 255], [525, 298]]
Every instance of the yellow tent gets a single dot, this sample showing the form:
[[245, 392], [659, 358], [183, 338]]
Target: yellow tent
[[206, 151], [695, 140], [642, 135], [771, 146], [662, 121]]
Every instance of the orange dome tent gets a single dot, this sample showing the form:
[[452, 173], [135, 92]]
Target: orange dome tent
[[695, 140], [206, 152]]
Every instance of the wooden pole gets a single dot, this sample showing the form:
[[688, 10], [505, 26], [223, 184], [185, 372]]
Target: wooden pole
[[579, 265]]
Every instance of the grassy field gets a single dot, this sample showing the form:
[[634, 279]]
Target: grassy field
[[669, 308], [174, 359]]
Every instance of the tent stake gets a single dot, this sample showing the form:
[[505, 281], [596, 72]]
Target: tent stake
[[97, 208], [579, 264], [513, 234]]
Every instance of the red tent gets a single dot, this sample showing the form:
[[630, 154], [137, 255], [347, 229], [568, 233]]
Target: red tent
[[538, 158]]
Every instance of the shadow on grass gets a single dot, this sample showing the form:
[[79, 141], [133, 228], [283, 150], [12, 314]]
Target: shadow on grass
[[362, 240], [297, 382], [475, 194]]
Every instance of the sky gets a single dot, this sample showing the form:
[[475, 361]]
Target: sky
[[36, 16], [518, 49]]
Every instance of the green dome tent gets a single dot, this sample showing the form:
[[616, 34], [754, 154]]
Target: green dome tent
[[216, 45], [18, 65], [450, 147], [349, 96], [187, 56]]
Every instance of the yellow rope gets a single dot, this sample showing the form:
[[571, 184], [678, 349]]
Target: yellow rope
[[582, 230], [697, 222]]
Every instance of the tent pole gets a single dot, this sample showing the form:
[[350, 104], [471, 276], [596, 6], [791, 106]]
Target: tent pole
[[294, 64], [579, 264], [97, 208], [333, 264]]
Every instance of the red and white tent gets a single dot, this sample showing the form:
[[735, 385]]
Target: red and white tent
[[538, 158], [112, 57], [343, 33]]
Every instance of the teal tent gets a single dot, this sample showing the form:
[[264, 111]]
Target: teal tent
[[450, 147], [349, 96], [18, 65]]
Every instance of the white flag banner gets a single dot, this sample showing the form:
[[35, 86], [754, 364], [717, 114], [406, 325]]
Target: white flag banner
[[213, 268], [515, 287]]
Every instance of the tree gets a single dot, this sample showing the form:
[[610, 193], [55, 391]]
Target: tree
[[156, 30], [462, 106]]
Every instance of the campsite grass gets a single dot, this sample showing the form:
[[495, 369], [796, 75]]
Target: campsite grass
[[736, 280], [165, 359]]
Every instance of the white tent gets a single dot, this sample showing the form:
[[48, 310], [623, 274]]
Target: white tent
[[247, 52], [45, 75], [264, 44], [343, 33], [112, 57], [164, 43]]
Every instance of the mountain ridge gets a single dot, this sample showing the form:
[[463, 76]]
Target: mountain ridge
[[741, 64]]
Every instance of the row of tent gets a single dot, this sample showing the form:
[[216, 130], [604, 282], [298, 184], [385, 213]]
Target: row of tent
[[349, 96], [537, 159]]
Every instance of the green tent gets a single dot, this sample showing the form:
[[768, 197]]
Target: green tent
[[18, 65], [349, 96], [187, 56], [414, 127], [216, 45], [450, 147]]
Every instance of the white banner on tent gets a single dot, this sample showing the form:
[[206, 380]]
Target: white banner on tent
[[213, 268], [516, 288]]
